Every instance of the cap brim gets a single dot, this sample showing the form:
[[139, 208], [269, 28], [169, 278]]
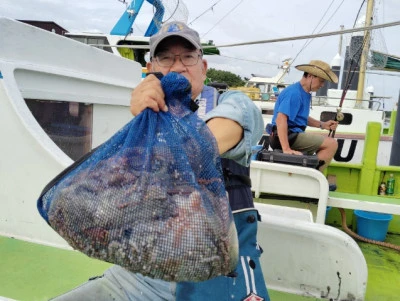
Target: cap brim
[[175, 34]]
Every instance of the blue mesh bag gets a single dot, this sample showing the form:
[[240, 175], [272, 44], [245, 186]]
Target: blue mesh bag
[[151, 198]]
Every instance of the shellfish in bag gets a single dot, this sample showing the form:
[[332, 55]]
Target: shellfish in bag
[[151, 198]]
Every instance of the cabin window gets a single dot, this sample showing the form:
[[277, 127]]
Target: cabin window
[[93, 41], [79, 39], [267, 112], [137, 55], [263, 88], [99, 41], [68, 124]]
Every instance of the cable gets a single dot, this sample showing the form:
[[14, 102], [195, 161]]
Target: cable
[[309, 41], [330, 18], [380, 73], [173, 13], [210, 8], [223, 17], [319, 35], [358, 13], [350, 78], [247, 60]]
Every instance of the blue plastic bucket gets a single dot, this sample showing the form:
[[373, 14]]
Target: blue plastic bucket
[[372, 225], [265, 96], [328, 208]]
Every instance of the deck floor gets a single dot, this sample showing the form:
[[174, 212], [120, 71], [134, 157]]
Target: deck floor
[[35, 272], [383, 270], [32, 272]]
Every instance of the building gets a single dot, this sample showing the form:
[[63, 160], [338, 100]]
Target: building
[[47, 25]]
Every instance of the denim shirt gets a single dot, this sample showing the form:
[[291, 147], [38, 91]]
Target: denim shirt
[[236, 106]]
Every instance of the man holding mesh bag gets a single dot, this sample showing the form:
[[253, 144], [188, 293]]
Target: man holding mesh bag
[[236, 125]]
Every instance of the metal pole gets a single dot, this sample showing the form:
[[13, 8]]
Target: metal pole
[[364, 55], [341, 40], [340, 70], [395, 151]]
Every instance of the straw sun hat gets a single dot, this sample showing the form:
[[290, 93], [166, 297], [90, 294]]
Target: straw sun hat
[[320, 69]]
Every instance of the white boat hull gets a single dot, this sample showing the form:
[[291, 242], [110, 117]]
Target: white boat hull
[[308, 259], [33, 67]]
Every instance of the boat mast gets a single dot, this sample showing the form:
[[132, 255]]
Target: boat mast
[[340, 40], [364, 55]]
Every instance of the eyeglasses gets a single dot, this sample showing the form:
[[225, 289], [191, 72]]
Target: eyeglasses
[[187, 58]]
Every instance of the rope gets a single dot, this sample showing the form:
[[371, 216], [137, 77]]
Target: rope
[[364, 239]]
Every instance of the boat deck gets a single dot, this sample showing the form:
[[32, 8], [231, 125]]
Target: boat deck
[[32, 272], [383, 263]]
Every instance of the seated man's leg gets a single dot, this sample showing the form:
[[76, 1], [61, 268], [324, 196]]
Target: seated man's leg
[[118, 284], [307, 143], [275, 143], [327, 151], [325, 147]]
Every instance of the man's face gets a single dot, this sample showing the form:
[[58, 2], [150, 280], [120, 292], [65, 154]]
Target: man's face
[[175, 47], [316, 83]]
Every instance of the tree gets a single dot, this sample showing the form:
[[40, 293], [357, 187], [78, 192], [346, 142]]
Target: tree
[[231, 79]]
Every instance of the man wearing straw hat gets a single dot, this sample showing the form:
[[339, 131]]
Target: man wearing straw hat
[[291, 116]]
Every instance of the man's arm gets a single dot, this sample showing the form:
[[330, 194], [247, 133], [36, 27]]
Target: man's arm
[[282, 129], [327, 125], [313, 122], [237, 125], [227, 133]]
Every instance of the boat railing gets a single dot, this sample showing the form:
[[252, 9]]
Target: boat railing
[[275, 178], [373, 105]]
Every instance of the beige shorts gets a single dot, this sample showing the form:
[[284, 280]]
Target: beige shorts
[[307, 143]]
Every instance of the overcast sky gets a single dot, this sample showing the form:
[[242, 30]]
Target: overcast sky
[[237, 21]]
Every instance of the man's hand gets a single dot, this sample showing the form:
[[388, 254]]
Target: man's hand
[[329, 125], [148, 94], [291, 151]]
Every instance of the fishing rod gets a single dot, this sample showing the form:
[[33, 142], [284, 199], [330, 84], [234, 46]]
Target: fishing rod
[[339, 116], [360, 54], [349, 77]]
